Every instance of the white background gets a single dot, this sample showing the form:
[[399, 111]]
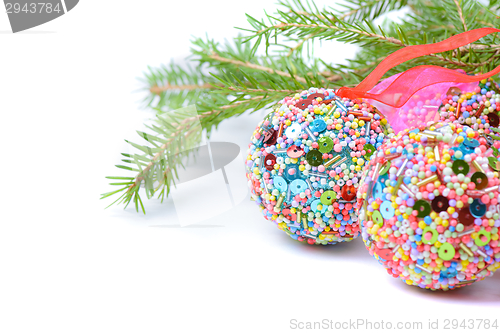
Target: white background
[[67, 103]]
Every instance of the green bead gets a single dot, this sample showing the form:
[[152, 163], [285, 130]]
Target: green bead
[[314, 157], [480, 179], [479, 241], [460, 166], [325, 144], [433, 239], [384, 169], [328, 197], [446, 252], [493, 163], [370, 149], [377, 218], [422, 207]]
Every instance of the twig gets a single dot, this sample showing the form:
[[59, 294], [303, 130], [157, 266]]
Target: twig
[[487, 23], [282, 26], [299, 44], [349, 13], [158, 89], [251, 90], [392, 40], [460, 14], [480, 47], [247, 64], [337, 77]]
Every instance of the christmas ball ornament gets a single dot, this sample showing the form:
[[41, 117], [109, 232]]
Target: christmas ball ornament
[[305, 160], [430, 210], [474, 104], [477, 107]]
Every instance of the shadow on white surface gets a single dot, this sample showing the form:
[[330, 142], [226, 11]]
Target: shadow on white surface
[[485, 291]]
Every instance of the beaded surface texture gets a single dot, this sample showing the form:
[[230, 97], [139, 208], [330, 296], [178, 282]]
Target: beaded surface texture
[[477, 109], [305, 161], [429, 204]]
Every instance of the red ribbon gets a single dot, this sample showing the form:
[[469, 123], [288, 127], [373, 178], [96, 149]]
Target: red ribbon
[[412, 80]]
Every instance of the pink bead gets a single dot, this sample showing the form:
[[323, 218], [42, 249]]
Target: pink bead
[[485, 199]]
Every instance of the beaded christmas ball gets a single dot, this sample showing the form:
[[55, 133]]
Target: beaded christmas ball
[[429, 208], [477, 108], [305, 160], [472, 104]]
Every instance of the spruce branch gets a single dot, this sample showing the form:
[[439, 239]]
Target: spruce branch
[[299, 44], [356, 11], [460, 14], [250, 65], [157, 90], [323, 29], [350, 33], [173, 86]]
